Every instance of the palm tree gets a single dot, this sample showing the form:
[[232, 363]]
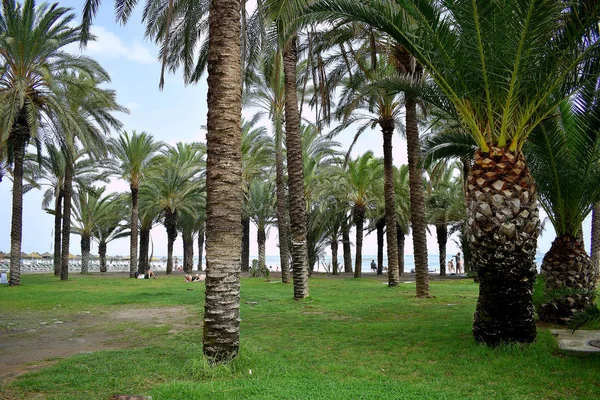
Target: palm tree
[[187, 222], [445, 203], [32, 42], [261, 209], [133, 154], [359, 179], [564, 157], [403, 213], [111, 227], [500, 88]]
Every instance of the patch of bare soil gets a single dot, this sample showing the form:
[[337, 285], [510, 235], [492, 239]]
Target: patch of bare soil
[[36, 340]]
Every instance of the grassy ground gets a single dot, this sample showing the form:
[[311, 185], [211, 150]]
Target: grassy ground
[[352, 339]]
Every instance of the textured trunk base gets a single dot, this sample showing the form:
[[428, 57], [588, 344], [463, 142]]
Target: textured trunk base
[[567, 266], [503, 226]]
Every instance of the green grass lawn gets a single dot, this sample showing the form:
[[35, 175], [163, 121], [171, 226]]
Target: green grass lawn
[[352, 339]]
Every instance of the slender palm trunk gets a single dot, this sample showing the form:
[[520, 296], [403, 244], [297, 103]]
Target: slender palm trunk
[[102, 255], [282, 215], [143, 264], [387, 128], [223, 183], [20, 136], [261, 239], [417, 199], [334, 256], [57, 231], [85, 254], [133, 244], [188, 253], [400, 237], [245, 244], [295, 173], [380, 225], [171, 227], [200, 247], [500, 184], [595, 251], [347, 249], [567, 266], [358, 215], [441, 231], [66, 227]]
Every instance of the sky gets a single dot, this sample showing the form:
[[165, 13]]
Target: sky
[[172, 115]]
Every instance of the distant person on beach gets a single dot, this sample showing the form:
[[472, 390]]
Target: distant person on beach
[[373, 266], [451, 267], [458, 263]]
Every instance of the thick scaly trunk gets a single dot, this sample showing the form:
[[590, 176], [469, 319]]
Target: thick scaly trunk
[[334, 256], [282, 211], [380, 225], [503, 227], [57, 231], [188, 253], [567, 266], [19, 137], [144, 265], [245, 244], [295, 173], [400, 237], [221, 338], [171, 227], [441, 231], [200, 247], [133, 244], [102, 255], [595, 251], [347, 249], [261, 238], [85, 254], [417, 199], [387, 128], [358, 216], [66, 227]]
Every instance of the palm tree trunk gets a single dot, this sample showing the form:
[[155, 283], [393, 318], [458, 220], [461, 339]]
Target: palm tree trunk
[[334, 256], [188, 253], [171, 227], [20, 136], [102, 255], [57, 231], [85, 254], [295, 173], [567, 266], [200, 247], [400, 237], [441, 231], [380, 233], [501, 186], [143, 265], [282, 215], [245, 244], [595, 251], [133, 244], [417, 199], [223, 184], [387, 128], [261, 238], [359, 219], [66, 227], [347, 249]]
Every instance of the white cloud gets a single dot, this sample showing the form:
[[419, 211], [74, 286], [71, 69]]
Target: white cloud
[[109, 45]]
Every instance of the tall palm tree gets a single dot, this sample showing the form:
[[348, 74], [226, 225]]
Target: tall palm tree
[[500, 87], [403, 213], [32, 41], [261, 209], [112, 227], [564, 156], [187, 223], [133, 154]]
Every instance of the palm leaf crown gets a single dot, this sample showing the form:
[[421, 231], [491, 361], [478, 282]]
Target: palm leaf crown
[[503, 64]]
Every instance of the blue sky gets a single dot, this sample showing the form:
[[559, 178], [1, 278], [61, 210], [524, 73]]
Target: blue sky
[[172, 115]]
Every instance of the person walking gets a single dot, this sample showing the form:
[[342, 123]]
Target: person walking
[[458, 263]]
